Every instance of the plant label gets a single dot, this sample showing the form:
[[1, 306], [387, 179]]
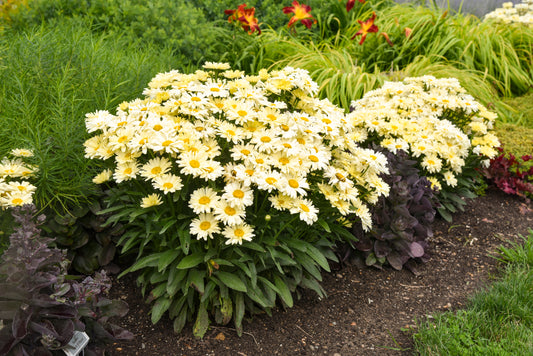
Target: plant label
[[76, 344]]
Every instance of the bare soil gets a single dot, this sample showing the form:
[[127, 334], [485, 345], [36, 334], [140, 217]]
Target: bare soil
[[367, 311]]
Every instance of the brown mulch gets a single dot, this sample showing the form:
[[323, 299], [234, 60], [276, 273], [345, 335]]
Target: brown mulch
[[367, 311]]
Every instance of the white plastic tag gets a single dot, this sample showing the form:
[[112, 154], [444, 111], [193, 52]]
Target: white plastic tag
[[76, 344]]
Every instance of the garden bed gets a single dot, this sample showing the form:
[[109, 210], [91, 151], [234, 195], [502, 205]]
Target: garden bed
[[367, 312]]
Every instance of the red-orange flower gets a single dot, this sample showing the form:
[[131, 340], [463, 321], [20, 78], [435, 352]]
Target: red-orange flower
[[407, 32], [351, 3], [386, 35], [301, 13], [366, 28], [246, 17]]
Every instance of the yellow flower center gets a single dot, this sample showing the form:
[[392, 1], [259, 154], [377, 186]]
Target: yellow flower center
[[195, 98], [216, 90], [326, 121], [285, 127], [205, 225], [142, 141], [272, 117], [230, 132], [194, 163], [303, 118], [313, 158], [239, 232], [166, 143], [239, 194], [271, 180], [287, 145], [340, 177], [242, 113], [168, 185], [265, 139], [230, 211], [158, 127], [301, 141], [128, 170], [293, 183], [284, 160], [245, 152], [304, 208], [199, 128], [260, 161], [156, 170], [122, 139], [204, 200], [250, 172], [17, 201]]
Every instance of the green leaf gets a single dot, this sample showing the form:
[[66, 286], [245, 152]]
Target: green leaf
[[231, 281], [318, 257], [202, 322], [185, 238], [148, 261], [370, 260], [253, 246], [314, 285], [175, 280], [191, 261], [167, 258], [324, 225], [196, 279], [160, 307], [167, 226], [239, 312], [284, 291], [180, 320]]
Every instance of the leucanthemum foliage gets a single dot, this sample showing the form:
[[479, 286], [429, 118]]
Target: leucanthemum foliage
[[240, 138], [15, 176], [433, 120], [231, 186]]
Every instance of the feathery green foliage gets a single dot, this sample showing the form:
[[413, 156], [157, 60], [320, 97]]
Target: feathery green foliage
[[51, 77]]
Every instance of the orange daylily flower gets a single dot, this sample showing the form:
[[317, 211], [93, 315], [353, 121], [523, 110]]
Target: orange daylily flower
[[351, 3], [386, 35], [246, 17], [301, 13], [366, 28], [407, 31]]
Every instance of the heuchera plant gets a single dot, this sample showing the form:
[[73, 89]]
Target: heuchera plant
[[41, 306], [401, 221], [509, 175]]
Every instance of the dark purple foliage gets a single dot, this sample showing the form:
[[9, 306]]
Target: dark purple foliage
[[402, 221], [40, 306]]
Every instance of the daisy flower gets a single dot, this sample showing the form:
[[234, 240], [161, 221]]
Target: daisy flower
[[237, 233], [16, 198], [204, 226], [125, 171], [103, 176], [203, 200], [306, 209], [168, 183], [216, 65], [192, 163], [151, 200], [238, 195], [281, 201], [268, 180], [229, 215], [22, 152], [155, 167], [293, 186]]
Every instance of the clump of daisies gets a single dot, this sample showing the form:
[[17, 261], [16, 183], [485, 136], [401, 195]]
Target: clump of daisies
[[434, 120], [15, 173], [511, 13], [229, 144]]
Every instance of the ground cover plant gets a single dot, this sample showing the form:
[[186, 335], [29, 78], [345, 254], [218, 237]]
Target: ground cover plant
[[498, 320], [41, 306]]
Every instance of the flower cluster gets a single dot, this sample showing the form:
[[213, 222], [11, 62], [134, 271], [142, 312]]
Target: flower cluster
[[434, 120], [520, 13], [245, 17], [232, 143], [15, 190]]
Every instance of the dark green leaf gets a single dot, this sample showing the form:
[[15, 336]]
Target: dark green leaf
[[283, 291], [202, 322], [231, 281], [239, 312], [167, 258], [191, 261], [161, 305]]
